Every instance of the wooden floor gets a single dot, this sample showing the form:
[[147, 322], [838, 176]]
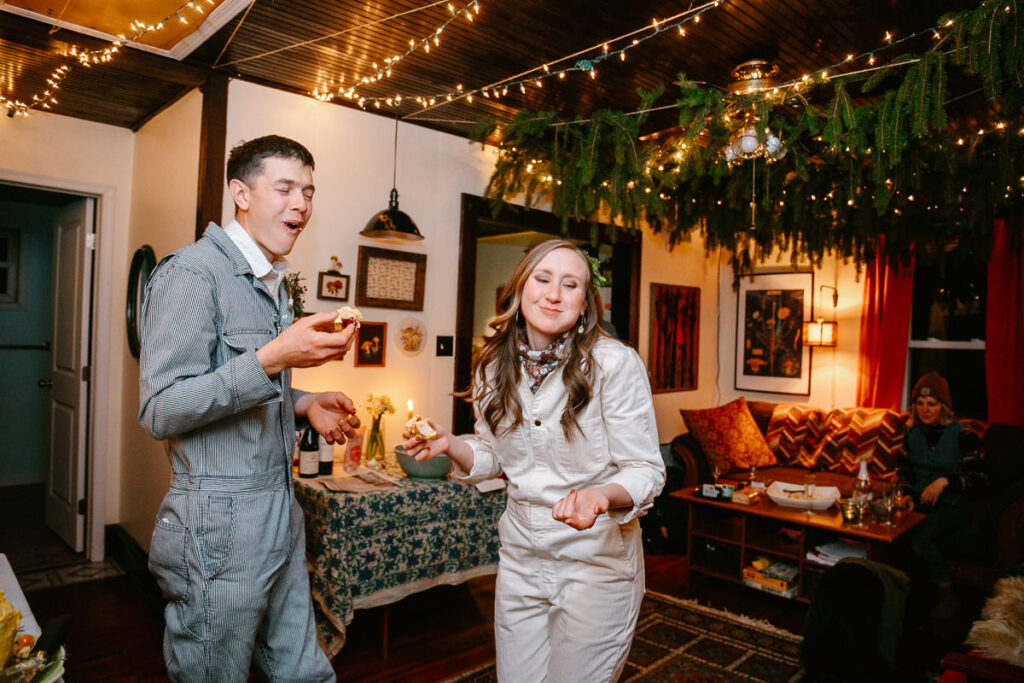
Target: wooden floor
[[433, 635]]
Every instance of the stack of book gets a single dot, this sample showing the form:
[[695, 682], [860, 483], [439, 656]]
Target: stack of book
[[833, 551], [772, 576]]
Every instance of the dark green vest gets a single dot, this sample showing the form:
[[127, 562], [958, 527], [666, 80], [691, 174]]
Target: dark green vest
[[931, 463]]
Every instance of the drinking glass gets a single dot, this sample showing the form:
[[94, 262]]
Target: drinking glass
[[809, 487], [891, 494], [715, 471], [753, 473], [860, 498]]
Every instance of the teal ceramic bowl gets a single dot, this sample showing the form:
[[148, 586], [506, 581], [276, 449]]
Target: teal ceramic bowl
[[435, 468]]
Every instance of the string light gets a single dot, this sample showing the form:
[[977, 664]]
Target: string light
[[88, 58], [598, 53], [384, 71]]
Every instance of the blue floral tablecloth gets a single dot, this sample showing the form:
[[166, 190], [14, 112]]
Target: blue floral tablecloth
[[372, 549]]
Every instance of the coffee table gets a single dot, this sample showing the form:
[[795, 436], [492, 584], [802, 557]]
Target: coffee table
[[724, 537]]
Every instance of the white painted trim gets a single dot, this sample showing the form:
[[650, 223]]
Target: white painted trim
[[973, 345], [214, 21], [101, 446], [221, 15]]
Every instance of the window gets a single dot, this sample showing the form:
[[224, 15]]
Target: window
[[947, 331], [8, 266]]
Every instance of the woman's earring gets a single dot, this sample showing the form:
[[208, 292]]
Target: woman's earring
[[579, 330]]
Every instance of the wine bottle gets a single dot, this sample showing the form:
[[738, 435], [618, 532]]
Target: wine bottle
[[326, 455], [862, 487], [309, 453]]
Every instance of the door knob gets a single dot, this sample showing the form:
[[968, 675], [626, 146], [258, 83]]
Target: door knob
[[45, 383]]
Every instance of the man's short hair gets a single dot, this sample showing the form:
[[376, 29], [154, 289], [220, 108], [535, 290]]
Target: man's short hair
[[245, 162]]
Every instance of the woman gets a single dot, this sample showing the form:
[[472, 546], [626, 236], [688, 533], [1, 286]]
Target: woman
[[564, 412], [941, 464]]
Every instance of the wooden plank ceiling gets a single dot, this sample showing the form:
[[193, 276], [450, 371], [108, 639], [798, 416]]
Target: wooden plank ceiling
[[304, 46]]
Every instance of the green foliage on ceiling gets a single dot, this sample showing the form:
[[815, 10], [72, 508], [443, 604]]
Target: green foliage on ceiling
[[897, 165]]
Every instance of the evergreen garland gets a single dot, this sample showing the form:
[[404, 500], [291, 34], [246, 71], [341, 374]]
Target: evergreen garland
[[893, 167]]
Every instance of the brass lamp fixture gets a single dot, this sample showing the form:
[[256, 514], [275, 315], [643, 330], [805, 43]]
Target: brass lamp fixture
[[392, 225], [749, 78], [822, 332]]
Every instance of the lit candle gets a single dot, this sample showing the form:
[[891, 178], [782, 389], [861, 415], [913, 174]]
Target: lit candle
[[409, 404]]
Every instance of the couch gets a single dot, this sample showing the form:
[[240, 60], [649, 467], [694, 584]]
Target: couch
[[832, 443]]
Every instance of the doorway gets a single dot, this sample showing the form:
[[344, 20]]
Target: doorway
[[46, 274], [490, 246]]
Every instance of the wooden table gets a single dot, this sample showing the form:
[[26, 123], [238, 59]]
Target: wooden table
[[724, 537], [373, 549]]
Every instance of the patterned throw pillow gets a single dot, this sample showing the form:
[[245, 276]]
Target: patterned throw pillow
[[729, 436], [872, 433], [794, 434]]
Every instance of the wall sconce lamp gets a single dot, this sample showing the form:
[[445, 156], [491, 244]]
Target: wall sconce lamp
[[823, 332]]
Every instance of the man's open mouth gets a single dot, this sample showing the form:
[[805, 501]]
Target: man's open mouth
[[294, 225]]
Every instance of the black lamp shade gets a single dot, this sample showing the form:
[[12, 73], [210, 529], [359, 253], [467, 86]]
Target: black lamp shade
[[391, 224]]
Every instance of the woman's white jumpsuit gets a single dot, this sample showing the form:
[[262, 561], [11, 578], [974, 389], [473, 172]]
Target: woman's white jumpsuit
[[567, 601]]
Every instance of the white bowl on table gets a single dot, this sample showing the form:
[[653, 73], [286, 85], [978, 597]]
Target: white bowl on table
[[792, 496]]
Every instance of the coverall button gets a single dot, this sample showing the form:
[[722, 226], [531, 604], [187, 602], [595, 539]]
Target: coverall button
[[536, 423]]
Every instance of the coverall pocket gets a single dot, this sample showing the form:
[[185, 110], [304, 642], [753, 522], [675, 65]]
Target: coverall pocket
[[241, 341], [216, 534], [584, 454], [167, 559]]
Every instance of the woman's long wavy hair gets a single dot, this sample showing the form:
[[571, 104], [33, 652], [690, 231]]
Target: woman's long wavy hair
[[496, 392]]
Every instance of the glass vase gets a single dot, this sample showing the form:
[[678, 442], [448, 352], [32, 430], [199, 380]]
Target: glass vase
[[373, 452]]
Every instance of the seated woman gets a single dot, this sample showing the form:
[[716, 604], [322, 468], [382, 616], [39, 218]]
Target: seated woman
[[941, 465]]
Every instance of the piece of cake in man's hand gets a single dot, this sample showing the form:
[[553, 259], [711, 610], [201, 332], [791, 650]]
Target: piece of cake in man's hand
[[347, 316], [418, 426]]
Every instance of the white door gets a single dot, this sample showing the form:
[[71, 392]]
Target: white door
[[65, 481]]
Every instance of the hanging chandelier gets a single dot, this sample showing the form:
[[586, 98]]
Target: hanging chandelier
[[746, 143]]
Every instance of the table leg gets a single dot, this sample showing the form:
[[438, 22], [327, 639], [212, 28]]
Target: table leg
[[385, 617]]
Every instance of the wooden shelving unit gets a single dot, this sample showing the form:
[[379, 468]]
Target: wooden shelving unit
[[725, 537]]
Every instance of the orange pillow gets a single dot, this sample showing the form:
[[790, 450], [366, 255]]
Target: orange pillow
[[729, 436]]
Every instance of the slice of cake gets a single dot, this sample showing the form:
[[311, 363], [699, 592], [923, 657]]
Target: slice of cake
[[347, 316], [421, 428]]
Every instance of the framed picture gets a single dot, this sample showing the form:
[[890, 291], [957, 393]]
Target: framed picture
[[390, 279], [332, 286], [371, 341], [411, 337], [770, 312], [675, 337]]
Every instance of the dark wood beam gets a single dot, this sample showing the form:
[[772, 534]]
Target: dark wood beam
[[212, 134]]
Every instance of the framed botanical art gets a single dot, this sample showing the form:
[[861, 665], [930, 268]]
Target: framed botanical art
[[390, 279], [675, 337], [371, 341], [770, 312], [332, 285]]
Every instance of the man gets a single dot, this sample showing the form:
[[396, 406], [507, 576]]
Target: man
[[218, 345]]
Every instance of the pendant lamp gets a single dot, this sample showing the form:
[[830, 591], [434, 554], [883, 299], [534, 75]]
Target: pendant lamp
[[392, 225]]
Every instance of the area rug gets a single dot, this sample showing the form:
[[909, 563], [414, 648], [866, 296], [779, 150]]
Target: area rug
[[680, 640]]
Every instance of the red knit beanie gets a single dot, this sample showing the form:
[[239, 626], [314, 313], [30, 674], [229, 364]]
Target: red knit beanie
[[935, 385]]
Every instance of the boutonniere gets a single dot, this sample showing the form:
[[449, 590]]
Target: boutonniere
[[296, 290]]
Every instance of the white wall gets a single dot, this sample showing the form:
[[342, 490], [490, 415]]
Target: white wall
[[163, 214], [833, 371], [70, 154], [353, 153], [685, 264]]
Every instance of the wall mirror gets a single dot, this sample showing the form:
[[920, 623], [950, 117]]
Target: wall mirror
[[489, 248]]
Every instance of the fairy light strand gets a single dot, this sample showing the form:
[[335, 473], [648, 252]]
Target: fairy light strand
[[384, 71], [89, 58], [535, 76]]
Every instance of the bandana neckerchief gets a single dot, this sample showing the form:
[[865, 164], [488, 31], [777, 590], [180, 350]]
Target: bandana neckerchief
[[540, 364]]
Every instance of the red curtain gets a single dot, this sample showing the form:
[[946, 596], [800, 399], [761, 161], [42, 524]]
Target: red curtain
[[884, 331], [1004, 330]]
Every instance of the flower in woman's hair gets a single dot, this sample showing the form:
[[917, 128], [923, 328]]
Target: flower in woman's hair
[[377, 405], [296, 291]]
